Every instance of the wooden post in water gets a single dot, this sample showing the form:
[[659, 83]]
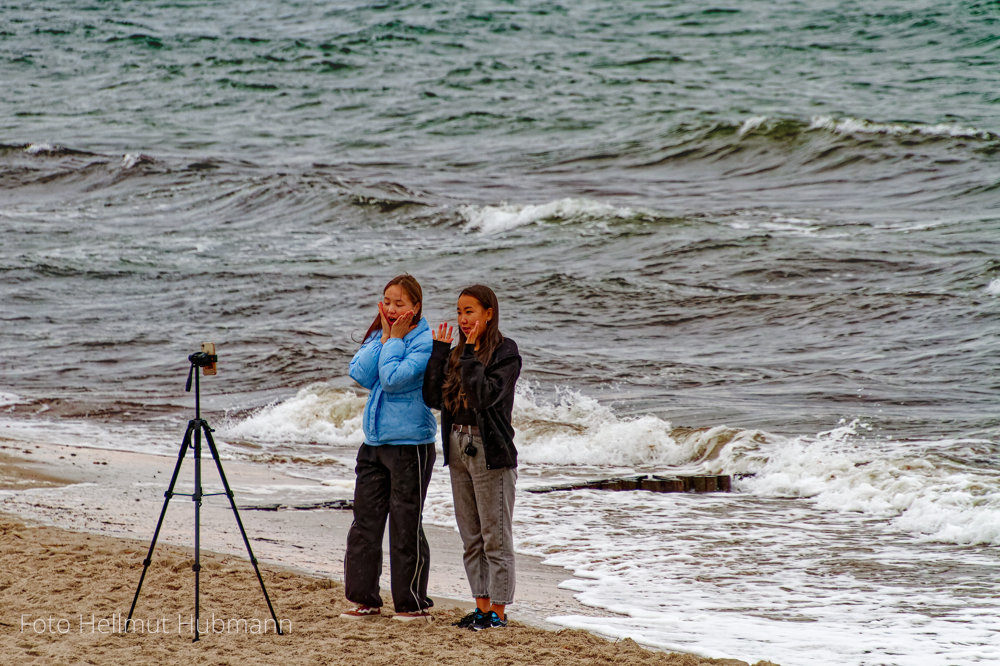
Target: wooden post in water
[[700, 483]]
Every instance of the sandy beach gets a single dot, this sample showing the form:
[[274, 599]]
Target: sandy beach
[[76, 524]]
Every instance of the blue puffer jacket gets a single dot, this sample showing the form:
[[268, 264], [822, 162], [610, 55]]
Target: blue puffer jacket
[[394, 374]]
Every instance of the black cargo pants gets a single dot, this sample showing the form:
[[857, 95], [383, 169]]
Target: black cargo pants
[[391, 483]]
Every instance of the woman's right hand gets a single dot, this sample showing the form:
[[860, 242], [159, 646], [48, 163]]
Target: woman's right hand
[[443, 333], [386, 326]]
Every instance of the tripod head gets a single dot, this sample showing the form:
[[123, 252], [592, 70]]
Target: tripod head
[[205, 359]]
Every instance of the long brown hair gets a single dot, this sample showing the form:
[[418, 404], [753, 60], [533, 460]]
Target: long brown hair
[[412, 289], [452, 395]]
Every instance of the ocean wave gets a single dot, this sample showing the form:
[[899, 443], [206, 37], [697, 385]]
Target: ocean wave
[[892, 163], [574, 429], [316, 414], [577, 430], [914, 485], [386, 196], [243, 190], [849, 126], [130, 160], [50, 149], [829, 142], [569, 429], [777, 127], [507, 217], [56, 166], [938, 490], [773, 153]]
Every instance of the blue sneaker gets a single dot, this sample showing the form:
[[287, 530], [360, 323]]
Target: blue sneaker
[[489, 621], [470, 619]]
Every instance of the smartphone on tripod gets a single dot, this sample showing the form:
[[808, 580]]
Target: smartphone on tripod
[[209, 348]]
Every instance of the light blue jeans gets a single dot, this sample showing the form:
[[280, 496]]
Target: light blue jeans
[[484, 506]]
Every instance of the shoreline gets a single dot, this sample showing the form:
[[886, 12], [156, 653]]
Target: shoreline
[[68, 488], [92, 512]]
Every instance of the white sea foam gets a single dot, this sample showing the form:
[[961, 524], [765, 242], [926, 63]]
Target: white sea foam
[[7, 399], [569, 429], [910, 484], [129, 160], [993, 288], [860, 126], [317, 413], [748, 577], [576, 429], [751, 124], [793, 226], [846, 469], [89, 433], [785, 225], [496, 219], [36, 148]]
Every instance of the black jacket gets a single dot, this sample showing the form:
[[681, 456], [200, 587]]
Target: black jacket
[[490, 390]]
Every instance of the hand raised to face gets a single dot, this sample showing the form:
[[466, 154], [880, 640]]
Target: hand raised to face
[[443, 333], [473, 335], [386, 326], [401, 326]]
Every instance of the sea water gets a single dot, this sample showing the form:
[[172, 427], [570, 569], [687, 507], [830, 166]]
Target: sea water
[[750, 239]]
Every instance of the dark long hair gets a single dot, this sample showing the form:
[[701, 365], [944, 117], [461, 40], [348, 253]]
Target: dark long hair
[[453, 397], [412, 289]]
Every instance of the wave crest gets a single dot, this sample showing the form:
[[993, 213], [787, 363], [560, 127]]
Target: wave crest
[[925, 488], [318, 413], [506, 217], [861, 126]]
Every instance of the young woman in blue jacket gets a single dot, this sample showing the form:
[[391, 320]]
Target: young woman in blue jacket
[[473, 386], [395, 462]]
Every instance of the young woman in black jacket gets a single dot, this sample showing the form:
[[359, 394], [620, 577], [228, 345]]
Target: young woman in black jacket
[[473, 386]]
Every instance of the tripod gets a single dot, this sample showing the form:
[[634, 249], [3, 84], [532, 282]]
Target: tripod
[[195, 428]]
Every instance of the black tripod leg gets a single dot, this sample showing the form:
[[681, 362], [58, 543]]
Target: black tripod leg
[[196, 496], [232, 503], [163, 512]]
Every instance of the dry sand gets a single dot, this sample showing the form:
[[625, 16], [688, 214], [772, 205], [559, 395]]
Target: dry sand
[[65, 593]]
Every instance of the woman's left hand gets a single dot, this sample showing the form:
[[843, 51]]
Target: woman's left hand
[[401, 326], [473, 335]]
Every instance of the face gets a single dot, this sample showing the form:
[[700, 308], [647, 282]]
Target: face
[[470, 311], [397, 302]]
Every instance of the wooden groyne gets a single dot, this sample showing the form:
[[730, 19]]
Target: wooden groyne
[[683, 483], [696, 483], [337, 505]]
